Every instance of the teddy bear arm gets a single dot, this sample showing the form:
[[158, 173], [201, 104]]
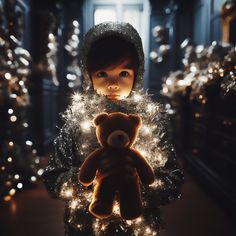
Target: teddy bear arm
[[143, 168], [88, 168]]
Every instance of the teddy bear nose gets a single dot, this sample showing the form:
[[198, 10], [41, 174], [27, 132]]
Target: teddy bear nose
[[113, 87], [118, 139]]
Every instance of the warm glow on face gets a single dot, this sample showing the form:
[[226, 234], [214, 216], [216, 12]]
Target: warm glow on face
[[115, 83]]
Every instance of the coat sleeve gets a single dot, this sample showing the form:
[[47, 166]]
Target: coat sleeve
[[171, 179], [63, 167], [169, 175]]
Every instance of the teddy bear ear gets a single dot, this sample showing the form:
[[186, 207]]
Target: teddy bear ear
[[136, 119], [100, 118]]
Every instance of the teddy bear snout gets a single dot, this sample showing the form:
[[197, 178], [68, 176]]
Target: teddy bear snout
[[118, 139]]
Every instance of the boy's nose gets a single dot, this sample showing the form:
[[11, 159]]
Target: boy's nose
[[113, 86]]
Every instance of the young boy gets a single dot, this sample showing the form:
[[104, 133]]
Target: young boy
[[111, 60]]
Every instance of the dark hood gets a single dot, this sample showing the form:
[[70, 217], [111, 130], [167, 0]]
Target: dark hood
[[122, 30]]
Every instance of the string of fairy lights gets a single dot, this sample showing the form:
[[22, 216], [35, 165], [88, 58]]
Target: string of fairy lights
[[203, 66], [48, 47], [73, 72], [51, 56], [149, 142], [19, 160]]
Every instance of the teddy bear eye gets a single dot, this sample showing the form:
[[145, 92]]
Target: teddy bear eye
[[102, 74], [124, 74]]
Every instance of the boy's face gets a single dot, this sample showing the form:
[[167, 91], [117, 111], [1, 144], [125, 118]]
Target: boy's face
[[114, 82]]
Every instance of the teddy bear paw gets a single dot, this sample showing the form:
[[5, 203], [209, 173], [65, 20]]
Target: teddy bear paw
[[100, 210], [131, 215]]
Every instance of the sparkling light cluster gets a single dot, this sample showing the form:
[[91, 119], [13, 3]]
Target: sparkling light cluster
[[18, 158], [48, 47], [71, 48], [204, 66], [151, 142], [85, 108], [51, 56]]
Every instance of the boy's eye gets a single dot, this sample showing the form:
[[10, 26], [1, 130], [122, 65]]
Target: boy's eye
[[124, 74], [101, 74]]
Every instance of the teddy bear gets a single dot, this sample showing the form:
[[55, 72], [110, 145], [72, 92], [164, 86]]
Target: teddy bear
[[118, 167]]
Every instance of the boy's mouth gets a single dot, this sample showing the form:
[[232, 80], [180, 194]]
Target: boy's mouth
[[113, 96]]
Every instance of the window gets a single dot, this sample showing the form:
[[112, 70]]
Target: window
[[133, 15], [135, 12], [104, 14]]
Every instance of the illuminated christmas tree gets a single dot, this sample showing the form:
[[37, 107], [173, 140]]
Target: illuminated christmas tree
[[19, 160]]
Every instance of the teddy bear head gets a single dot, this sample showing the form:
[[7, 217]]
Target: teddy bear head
[[117, 130]]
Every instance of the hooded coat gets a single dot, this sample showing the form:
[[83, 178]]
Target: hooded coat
[[74, 142]]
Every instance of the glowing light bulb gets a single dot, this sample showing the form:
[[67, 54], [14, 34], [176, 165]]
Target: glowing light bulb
[[165, 90], [8, 76], [10, 143], [7, 198], [8, 183], [193, 68], [13, 95], [75, 23], [19, 185], [148, 230], [95, 225], [71, 85], [210, 70], [146, 130], [40, 171], [10, 111], [76, 97], [168, 81], [12, 192], [51, 36], [13, 118], [74, 204], [71, 77], [9, 159], [16, 176], [129, 222], [68, 193], [116, 209], [29, 143], [138, 220], [21, 82], [137, 97], [157, 183], [25, 90], [79, 226], [74, 37], [33, 178], [25, 124], [151, 108], [181, 82], [143, 152], [85, 125]]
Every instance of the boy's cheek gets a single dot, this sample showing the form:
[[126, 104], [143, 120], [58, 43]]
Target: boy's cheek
[[127, 85]]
